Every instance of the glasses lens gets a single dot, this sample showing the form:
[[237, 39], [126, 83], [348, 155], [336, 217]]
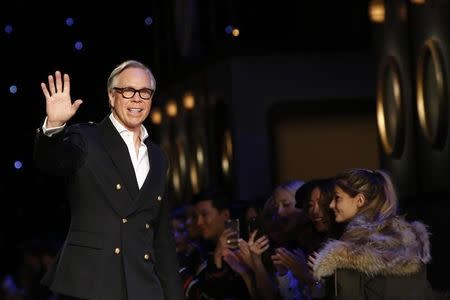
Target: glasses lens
[[145, 94], [128, 92]]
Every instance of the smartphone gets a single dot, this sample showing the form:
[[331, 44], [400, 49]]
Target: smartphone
[[233, 224]]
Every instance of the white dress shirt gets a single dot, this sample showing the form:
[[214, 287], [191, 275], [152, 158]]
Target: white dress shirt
[[140, 161]]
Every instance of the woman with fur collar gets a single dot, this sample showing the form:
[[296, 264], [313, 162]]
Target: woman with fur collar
[[380, 255]]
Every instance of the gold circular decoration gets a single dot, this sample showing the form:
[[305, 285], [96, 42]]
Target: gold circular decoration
[[432, 95], [227, 153], [174, 170], [390, 108], [196, 167]]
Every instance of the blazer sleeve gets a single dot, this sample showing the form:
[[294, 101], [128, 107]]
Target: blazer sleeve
[[60, 154]]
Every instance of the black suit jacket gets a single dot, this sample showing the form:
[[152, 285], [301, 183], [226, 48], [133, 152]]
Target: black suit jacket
[[119, 244]]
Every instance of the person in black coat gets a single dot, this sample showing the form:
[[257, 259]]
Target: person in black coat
[[119, 244]]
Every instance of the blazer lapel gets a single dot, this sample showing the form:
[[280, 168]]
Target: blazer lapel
[[149, 191], [120, 157]]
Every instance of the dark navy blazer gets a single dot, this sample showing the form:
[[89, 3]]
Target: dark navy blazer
[[119, 244]]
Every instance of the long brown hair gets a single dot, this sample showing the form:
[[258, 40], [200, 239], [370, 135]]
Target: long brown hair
[[377, 188]]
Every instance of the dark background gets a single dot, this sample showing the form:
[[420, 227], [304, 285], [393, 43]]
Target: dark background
[[185, 38]]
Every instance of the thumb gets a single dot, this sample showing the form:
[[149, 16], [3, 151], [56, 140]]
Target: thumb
[[77, 104]]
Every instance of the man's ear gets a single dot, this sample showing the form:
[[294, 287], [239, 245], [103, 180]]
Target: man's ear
[[111, 100], [360, 200]]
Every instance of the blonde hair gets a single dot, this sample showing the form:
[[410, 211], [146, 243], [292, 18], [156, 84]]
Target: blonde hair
[[290, 186], [130, 64], [377, 188]]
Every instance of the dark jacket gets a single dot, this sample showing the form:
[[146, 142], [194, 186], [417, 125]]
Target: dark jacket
[[118, 245], [217, 284], [385, 260]]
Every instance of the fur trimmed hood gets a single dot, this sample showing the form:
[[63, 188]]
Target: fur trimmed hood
[[391, 247]]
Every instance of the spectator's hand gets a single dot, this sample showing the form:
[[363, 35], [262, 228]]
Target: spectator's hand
[[294, 261], [278, 263], [59, 105], [223, 244], [234, 260], [259, 246], [312, 261], [245, 254]]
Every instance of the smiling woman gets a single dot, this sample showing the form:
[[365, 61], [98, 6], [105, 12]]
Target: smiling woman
[[379, 253]]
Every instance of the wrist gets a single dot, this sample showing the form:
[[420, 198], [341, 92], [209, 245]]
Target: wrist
[[53, 124]]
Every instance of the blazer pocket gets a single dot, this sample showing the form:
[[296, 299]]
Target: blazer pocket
[[85, 239]]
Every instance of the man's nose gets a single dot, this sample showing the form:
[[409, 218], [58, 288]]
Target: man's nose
[[136, 98]]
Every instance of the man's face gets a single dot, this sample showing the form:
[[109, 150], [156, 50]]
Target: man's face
[[210, 220], [131, 112]]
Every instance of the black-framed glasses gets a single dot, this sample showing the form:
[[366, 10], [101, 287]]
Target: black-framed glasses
[[129, 92]]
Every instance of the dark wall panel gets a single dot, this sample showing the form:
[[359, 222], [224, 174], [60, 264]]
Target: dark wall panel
[[412, 49], [430, 48], [395, 99]]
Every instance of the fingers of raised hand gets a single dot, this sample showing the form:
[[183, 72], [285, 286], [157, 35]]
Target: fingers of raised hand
[[51, 84], [265, 248], [262, 239], [275, 258], [312, 258], [59, 84], [263, 243], [284, 252], [67, 83], [252, 236], [56, 84], [243, 246], [281, 256], [288, 254], [311, 261], [45, 90], [260, 245], [243, 243]]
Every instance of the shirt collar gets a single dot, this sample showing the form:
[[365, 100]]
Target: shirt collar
[[121, 129]]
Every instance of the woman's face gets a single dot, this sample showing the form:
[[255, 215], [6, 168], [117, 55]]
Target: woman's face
[[250, 213], [317, 213], [284, 202], [180, 234], [344, 206]]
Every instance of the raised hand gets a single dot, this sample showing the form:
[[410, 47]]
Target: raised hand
[[245, 254], [260, 245], [224, 243], [235, 261], [59, 104], [312, 261], [294, 261]]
